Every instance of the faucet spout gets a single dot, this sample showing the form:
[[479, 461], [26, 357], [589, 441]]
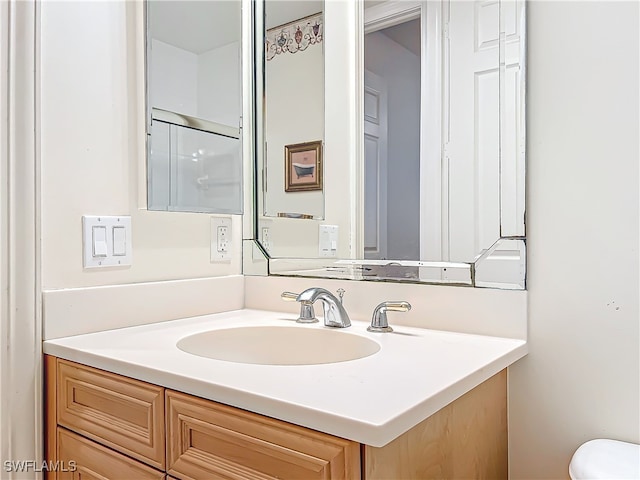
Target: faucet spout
[[334, 313]]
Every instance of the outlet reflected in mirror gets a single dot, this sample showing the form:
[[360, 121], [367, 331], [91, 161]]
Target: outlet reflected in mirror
[[194, 105]]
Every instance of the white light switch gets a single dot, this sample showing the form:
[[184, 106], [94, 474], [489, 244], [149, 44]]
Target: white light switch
[[106, 241], [99, 241], [119, 241]]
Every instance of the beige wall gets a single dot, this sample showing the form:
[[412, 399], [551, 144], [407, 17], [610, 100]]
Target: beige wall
[[294, 85], [92, 147], [580, 379]]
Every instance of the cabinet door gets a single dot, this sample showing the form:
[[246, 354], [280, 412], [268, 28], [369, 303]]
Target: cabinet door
[[82, 459], [206, 440], [119, 412], [465, 439]]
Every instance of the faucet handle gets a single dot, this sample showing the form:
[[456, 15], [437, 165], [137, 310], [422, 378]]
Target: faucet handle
[[289, 296], [340, 293], [395, 306], [379, 321], [307, 314]]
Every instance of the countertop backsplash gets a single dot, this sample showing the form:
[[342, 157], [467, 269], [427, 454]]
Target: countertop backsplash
[[77, 311], [501, 313]]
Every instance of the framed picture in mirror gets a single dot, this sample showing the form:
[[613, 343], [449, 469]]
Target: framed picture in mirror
[[303, 166]]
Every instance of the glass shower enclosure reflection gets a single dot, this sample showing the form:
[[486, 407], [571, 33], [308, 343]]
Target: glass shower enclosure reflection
[[194, 106], [191, 169]]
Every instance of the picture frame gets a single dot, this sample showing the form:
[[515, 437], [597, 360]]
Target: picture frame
[[303, 166]]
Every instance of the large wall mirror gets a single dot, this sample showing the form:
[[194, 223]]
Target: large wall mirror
[[194, 106], [427, 181], [427, 184]]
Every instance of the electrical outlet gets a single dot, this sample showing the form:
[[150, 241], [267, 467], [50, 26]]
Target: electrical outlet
[[221, 239], [223, 242], [265, 239]]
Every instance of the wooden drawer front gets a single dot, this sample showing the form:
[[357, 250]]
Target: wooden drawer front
[[95, 462], [119, 412], [206, 440]]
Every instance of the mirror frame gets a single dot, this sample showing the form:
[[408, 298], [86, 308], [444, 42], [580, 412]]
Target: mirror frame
[[351, 137]]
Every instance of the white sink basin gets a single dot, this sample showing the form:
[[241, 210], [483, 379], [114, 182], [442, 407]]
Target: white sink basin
[[270, 345]]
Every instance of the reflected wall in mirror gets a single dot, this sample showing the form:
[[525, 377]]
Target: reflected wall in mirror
[[294, 109], [194, 105], [436, 185]]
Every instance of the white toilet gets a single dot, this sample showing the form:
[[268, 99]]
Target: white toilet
[[606, 459]]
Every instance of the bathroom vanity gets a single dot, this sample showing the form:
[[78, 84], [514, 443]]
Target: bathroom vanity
[[129, 403]]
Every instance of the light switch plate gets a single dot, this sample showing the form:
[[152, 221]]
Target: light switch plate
[[328, 241], [106, 241], [221, 237]]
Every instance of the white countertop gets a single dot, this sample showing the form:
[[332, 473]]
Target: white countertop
[[371, 400]]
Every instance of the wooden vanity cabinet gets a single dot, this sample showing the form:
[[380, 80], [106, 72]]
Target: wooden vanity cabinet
[[87, 460], [467, 439], [100, 425], [209, 440], [124, 414], [114, 427]]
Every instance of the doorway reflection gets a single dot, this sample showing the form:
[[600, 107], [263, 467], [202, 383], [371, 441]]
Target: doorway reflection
[[392, 142]]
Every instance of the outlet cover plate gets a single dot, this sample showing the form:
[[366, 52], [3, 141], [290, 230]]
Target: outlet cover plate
[[221, 239]]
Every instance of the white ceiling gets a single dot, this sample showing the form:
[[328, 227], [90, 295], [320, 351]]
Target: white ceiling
[[406, 34], [279, 12], [196, 26], [199, 26]]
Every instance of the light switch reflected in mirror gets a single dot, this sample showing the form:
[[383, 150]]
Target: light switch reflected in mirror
[[194, 105], [442, 163]]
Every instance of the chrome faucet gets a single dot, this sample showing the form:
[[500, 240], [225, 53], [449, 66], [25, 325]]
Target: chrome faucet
[[334, 313]]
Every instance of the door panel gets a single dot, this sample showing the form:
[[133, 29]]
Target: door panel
[[473, 129], [375, 183]]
